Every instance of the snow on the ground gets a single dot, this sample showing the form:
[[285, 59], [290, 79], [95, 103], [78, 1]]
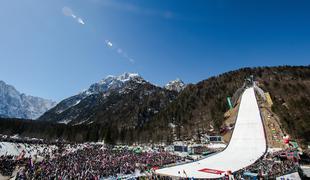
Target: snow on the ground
[[15, 149], [216, 145], [65, 121], [246, 146]]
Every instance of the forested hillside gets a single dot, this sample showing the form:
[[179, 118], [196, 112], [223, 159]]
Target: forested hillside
[[195, 110], [204, 103]]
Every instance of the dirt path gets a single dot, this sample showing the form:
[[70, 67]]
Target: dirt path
[[274, 133]]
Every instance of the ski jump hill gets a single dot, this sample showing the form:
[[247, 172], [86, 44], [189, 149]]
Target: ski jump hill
[[247, 144]]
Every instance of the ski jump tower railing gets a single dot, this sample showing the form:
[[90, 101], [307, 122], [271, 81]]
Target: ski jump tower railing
[[248, 82]]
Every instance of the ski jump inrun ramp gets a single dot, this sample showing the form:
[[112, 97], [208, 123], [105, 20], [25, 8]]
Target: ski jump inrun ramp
[[247, 144]]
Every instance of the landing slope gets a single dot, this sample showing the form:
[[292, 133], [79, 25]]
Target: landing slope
[[246, 146]]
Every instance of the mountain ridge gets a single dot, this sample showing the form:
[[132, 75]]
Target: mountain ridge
[[19, 105], [95, 102]]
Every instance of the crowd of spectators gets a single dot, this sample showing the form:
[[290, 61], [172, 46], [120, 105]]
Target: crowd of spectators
[[7, 165], [272, 165], [96, 161], [91, 162]]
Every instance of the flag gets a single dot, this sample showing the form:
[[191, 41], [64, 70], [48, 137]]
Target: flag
[[21, 155], [31, 163]]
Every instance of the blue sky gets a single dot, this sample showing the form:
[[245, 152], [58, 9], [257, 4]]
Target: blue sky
[[56, 48]]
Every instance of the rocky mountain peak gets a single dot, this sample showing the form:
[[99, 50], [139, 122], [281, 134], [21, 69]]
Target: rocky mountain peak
[[114, 82], [175, 85], [18, 105]]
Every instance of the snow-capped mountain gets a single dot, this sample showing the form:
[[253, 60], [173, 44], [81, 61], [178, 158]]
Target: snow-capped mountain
[[127, 97], [14, 104], [175, 85], [104, 87], [114, 82]]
